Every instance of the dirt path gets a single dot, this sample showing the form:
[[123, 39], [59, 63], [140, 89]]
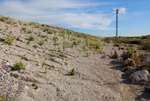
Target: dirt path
[[95, 80]]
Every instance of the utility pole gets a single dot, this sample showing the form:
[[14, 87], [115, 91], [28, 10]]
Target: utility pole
[[117, 11]]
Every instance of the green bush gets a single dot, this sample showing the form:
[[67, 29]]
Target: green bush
[[9, 40], [55, 39], [18, 66], [45, 70], [30, 23], [41, 42], [73, 72], [63, 55], [35, 46], [145, 45], [31, 38], [66, 63], [86, 54], [24, 29], [53, 66], [74, 43], [35, 86], [52, 55], [95, 44], [49, 32]]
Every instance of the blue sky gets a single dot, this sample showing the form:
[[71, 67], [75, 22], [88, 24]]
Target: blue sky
[[96, 17]]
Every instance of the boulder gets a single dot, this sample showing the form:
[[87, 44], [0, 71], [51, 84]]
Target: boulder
[[141, 77], [129, 62], [119, 60], [104, 56]]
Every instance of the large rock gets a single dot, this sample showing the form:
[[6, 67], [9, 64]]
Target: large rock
[[105, 56], [129, 62], [119, 60], [141, 77]]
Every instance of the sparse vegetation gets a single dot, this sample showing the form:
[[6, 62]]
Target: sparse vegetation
[[86, 54], [41, 42], [9, 40], [50, 32], [55, 39], [24, 29], [31, 38], [45, 70], [143, 41], [53, 66], [63, 55], [8, 91], [35, 86], [66, 63], [35, 46], [18, 65], [73, 72]]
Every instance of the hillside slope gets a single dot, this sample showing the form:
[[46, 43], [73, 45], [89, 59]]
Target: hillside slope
[[50, 53]]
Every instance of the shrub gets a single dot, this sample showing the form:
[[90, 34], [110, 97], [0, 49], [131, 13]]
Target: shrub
[[84, 48], [130, 54], [145, 45], [52, 55], [20, 22], [53, 66], [18, 65], [95, 44], [86, 54], [63, 55], [46, 39], [92, 38], [73, 72], [39, 35], [49, 32], [41, 43], [9, 40], [24, 29], [45, 70], [45, 30], [74, 43], [35, 86], [35, 46], [8, 90], [55, 39], [29, 31], [31, 38], [30, 23], [43, 36], [66, 63]]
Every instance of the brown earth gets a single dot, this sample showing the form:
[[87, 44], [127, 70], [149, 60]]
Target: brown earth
[[96, 78]]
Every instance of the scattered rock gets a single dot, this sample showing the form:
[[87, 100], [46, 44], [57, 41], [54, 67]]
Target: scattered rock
[[19, 39], [140, 76], [119, 60], [57, 60], [115, 55], [148, 86], [105, 56], [129, 62], [14, 75]]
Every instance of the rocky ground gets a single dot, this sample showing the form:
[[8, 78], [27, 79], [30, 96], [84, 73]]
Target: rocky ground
[[96, 78]]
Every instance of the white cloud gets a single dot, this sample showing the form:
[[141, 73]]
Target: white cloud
[[122, 10], [63, 13]]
